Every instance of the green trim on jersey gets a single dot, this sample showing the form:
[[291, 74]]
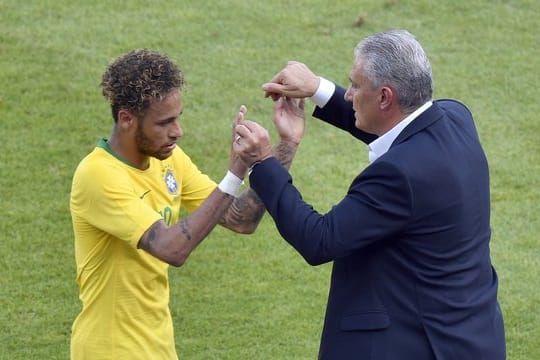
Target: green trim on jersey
[[102, 143], [124, 290]]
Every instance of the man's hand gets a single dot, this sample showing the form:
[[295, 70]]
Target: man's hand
[[296, 80], [236, 164], [252, 142], [289, 119]]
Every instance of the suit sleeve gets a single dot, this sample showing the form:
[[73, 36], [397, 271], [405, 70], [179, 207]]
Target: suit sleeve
[[340, 113], [376, 206]]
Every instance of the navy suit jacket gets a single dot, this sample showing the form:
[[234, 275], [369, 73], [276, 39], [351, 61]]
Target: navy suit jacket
[[412, 276]]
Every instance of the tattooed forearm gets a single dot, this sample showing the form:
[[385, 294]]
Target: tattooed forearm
[[250, 205], [174, 244], [284, 151], [245, 212], [184, 226], [148, 240]]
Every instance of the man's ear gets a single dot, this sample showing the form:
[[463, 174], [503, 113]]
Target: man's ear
[[126, 119], [386, 97]]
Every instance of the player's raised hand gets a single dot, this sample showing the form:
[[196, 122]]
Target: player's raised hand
[[253, 142], [289, 119], [237, 165]]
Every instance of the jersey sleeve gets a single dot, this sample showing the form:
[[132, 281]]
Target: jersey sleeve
[[103, 197]]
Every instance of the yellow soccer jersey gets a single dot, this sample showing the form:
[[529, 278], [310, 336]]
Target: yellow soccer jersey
[[124, 290]]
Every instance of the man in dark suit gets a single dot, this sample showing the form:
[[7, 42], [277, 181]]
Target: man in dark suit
[[412, 276]]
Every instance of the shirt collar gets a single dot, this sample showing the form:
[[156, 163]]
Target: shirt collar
[[380, 146]]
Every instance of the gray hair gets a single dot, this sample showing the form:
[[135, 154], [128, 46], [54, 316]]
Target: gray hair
[[395, 58]]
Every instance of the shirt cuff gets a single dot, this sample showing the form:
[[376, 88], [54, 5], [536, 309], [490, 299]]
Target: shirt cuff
[[324, 92]]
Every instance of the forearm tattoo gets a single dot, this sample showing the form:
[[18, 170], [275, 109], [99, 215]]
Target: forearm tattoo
[[184, 226], [284, 152], [245, 209], [148, 240]]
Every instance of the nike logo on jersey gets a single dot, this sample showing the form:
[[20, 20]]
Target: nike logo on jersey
[[143, 195]]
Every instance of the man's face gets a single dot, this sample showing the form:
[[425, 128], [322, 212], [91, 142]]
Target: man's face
[[365, 100], [159, 129]]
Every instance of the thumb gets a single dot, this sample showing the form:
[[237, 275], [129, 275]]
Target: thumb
[[240, 116], [272, 87], [273, 90]]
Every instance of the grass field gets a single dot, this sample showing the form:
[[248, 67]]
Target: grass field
[[246, 297]]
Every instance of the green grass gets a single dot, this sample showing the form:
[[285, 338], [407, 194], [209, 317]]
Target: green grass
[[246, 297]]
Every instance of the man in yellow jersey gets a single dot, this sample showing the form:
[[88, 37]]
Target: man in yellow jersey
[[125, 204]]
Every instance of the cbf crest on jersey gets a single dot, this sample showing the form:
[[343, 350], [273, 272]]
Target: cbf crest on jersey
[[170, 181]]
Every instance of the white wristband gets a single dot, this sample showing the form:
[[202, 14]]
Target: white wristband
[[230, 184]]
